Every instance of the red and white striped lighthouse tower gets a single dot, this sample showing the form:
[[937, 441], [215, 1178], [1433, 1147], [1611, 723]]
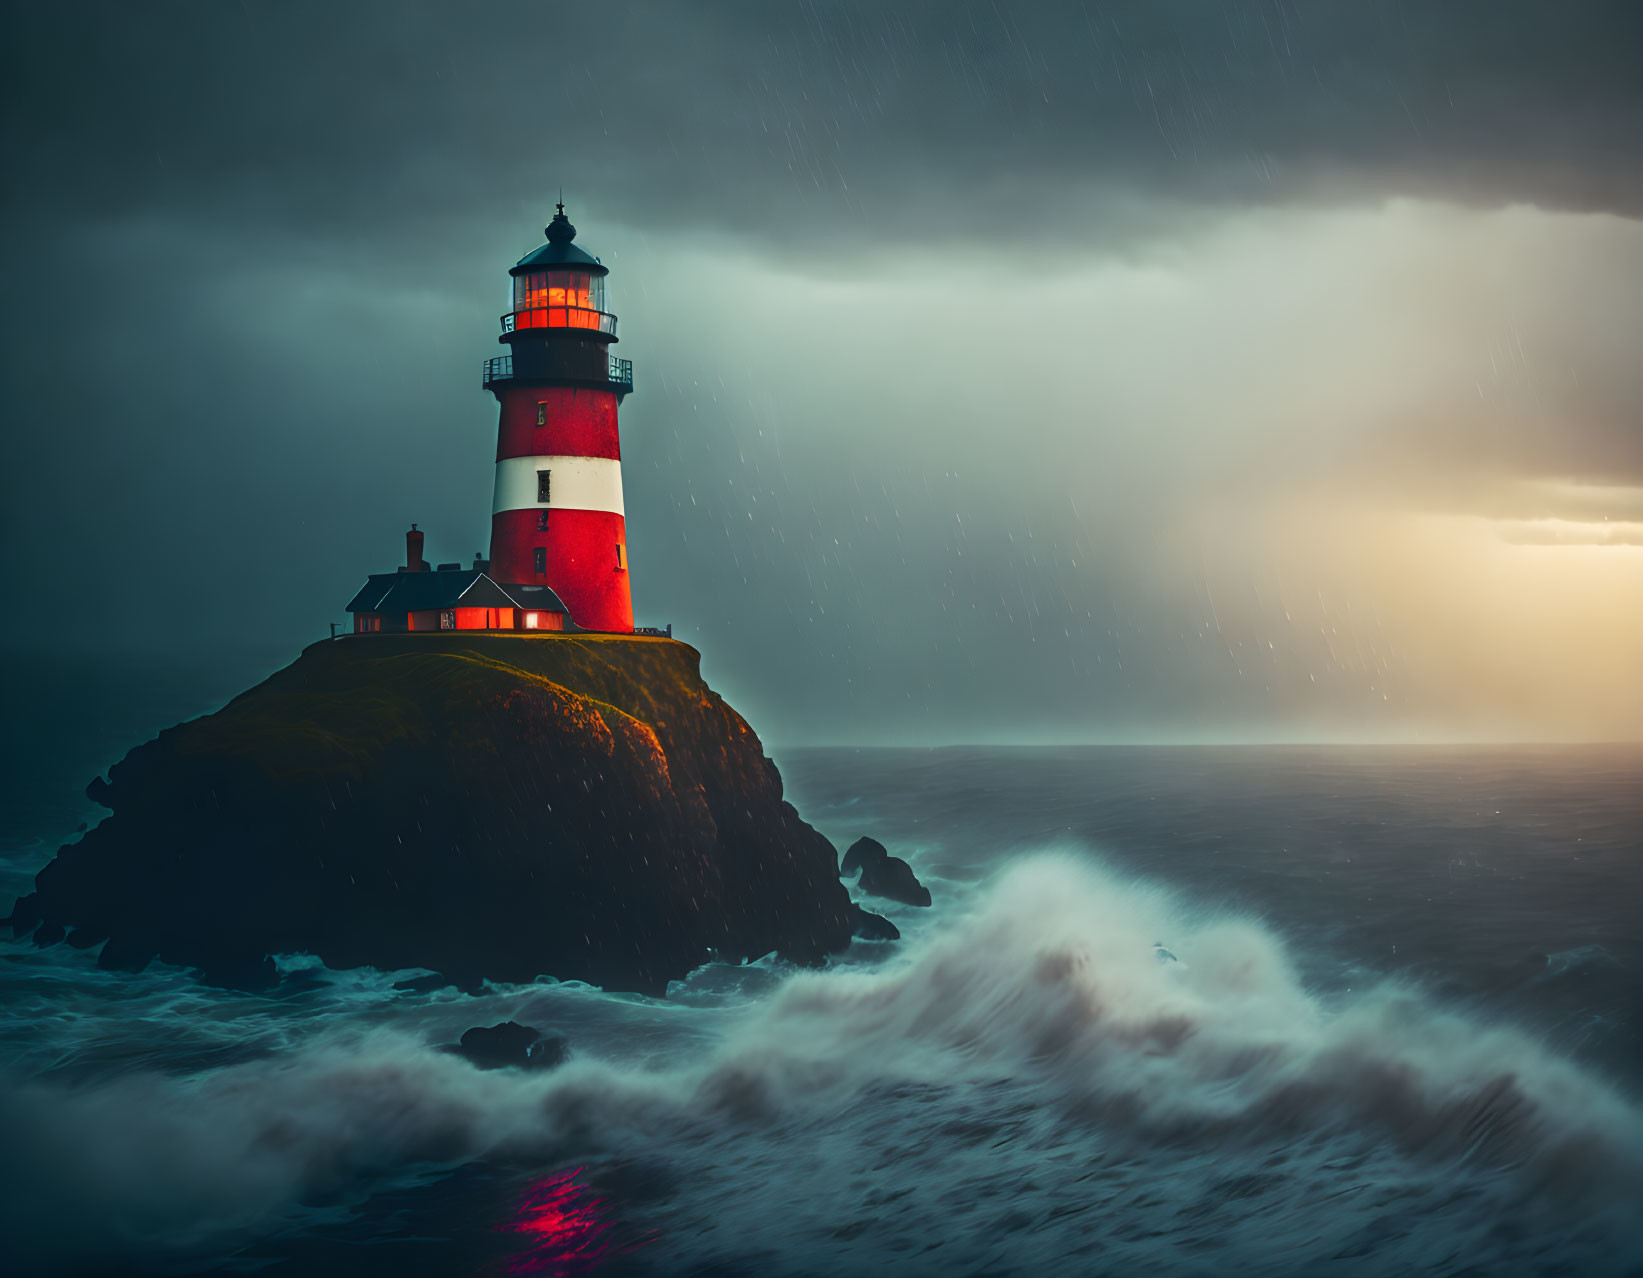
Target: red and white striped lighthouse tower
[[557, 518]]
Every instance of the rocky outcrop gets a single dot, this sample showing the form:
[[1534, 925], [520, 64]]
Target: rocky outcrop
[[872, 927], [882, 874], [486, 807]]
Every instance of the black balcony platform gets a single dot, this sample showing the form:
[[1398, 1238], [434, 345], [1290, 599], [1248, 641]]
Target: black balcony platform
[[499, 372]]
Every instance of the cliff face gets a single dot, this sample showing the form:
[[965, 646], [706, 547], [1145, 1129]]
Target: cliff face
[[583, 807]]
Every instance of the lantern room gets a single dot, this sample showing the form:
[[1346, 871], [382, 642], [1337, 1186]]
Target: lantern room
[[560, 286], [561, 299]]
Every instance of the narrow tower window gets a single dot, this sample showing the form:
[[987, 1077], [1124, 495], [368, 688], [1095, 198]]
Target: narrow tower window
[[542, 485], [621, 556], [542, 414], [540, 556], [541, 521]]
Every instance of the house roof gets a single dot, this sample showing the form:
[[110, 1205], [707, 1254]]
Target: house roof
[[537, 598], [397, 592], [416, 592]]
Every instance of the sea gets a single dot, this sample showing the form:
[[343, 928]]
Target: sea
[[1173, 1011]]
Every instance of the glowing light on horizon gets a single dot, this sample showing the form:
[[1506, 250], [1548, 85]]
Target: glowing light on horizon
[[1571, 513], [1572, 533]]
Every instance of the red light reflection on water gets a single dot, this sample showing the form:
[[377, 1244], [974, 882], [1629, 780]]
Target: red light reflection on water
[[565, 1229]]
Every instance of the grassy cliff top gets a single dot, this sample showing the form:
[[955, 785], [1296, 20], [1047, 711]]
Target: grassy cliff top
[[343, 700]]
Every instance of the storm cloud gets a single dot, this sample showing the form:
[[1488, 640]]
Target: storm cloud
[[1002, 371], [823, 125]]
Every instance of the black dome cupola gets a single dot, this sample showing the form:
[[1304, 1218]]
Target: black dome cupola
[[559, 251], [560, 230]]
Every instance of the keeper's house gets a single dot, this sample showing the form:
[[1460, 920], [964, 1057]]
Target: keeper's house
[[450, 597]]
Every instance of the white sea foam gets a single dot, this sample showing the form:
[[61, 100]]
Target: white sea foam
[[1031, 1059]]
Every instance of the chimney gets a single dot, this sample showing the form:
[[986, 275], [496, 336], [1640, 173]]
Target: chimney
[[413, 552]]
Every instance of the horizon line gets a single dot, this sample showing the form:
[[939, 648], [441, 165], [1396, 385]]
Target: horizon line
[[1015, 743]]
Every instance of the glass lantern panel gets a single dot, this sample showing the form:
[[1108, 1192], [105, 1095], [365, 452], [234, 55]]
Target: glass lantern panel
[[559, 299]]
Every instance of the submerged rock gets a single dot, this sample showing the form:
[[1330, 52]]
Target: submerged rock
[[511, 1044], [485, 807], [882, 874]]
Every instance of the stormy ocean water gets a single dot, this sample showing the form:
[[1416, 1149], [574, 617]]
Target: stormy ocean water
[[1175, 1011]]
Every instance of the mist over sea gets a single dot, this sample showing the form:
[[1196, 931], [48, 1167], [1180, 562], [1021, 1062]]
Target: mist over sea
[[1396, 1026]]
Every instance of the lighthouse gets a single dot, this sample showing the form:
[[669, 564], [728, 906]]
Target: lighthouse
[[559, 549], [557, 520]]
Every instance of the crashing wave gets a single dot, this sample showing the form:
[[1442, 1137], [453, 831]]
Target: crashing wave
[[1035, 1052]]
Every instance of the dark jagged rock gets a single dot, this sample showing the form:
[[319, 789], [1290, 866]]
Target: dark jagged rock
[[25, 916], [882, 874], [485, 807], [239, 971], [122, 954], [49, 933], [872, 927], [511, 1044], [860, 854]]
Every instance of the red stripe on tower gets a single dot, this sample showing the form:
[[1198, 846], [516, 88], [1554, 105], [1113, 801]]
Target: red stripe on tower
[[557, 518]]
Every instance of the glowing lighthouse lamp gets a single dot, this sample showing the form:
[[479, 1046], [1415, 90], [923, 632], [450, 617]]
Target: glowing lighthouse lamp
[[559, 555]]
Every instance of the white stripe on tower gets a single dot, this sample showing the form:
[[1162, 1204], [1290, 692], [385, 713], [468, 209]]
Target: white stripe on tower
[[574, 483]]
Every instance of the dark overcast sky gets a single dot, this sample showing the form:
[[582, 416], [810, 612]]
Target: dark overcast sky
[[1003, 371]]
